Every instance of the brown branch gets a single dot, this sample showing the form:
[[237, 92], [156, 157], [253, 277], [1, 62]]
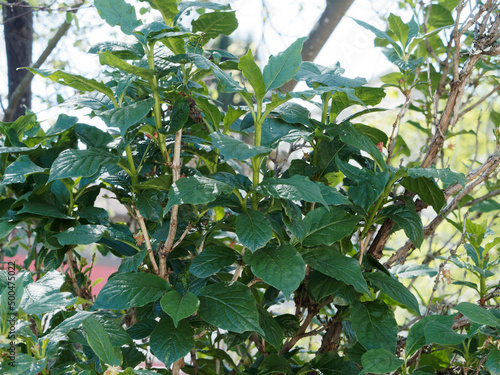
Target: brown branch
[[483, 198], [331, 339], [240, 266], [184, 234], [392, 141], [25, 83], [147, 240], [176, 171]]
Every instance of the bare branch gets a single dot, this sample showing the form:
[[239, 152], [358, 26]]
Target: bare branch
[[147, 240]]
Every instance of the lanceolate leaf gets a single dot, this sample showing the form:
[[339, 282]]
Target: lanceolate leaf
[[170, 343], [340, 267], [130, 289], [196, 190], [445, 175], [281, 267], [212, 260], [229, 306], [253, 229], [232, 148], [73, 80], [108, 58], [253, 74], [99, 341], [118, 12], [81, 235], [394, 289], [293, 188], [407, 219], [80, 163], [427, 190], [282, 68], [124, 117], [179, 306], [478, 314], [17, 171], [374, 325], [215, 23], [323, 227]]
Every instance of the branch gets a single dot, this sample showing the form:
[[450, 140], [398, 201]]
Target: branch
[[25, 83], [149, 248], [176, 172], [72, 274]]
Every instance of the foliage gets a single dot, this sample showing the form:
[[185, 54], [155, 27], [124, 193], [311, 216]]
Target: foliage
[[227, 230]]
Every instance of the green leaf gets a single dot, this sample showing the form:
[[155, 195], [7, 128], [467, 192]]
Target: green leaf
[[427, 190], [253, 229], [274, 363], [253, 74], [63, 123], [73, 80], [124, 117], [24, 364], [215, 23], [293, 188], [407, 219], [438, 330], [338, 266], [380, 361], [399, 28], [445, 175], [210, 111], [331, 363], [231, 116], [229, 306], [374, 325], [380, 34], [125, 51], [282, 68], [80, 163], [167, 8], [323, 227], [92, 136], [179, 306], [281, 267], [289, 324], [212, 260], [477, 314], [81, 235], [179, 116], [196, 190], [439, 16], [42, 209], [271, 329], [410, 271], [118, 12], [416, 338], [232, 148], [321, 286], [170, 343], [108, 58], [293, 113], [394, 289], [127, 290], [332, 196], [16, 172], [493, 361], [99, 341]]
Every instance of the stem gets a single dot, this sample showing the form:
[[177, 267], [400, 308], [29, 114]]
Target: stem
[[133, 171], [149, 248], [72, 275]]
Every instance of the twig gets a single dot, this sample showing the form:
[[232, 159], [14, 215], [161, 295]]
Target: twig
[[481, 362], [487, 96], [395, 125], [149, 248], [176, 171], [240, 266], [193, 361], [200, 335], [188, 228], [72, 274]]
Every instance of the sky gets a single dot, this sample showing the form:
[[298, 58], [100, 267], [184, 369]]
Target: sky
[[286, 20]]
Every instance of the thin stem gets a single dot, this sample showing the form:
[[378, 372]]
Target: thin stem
[[133, 171], [72, 274], [149, 248], [237, 273]]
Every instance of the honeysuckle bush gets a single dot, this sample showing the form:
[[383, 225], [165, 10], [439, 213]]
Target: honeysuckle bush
[[240, 260]]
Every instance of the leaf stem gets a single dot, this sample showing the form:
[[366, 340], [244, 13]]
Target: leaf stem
[[149, 248], [72, 274]]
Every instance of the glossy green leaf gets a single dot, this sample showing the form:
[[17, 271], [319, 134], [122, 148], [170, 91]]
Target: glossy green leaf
[[477, 314], [253, 229], [231, 116], [99, 341], [124, 117], [92, 136], [24, 364], [127, 290], [323, 227], [211, 260], [293, 188], [331, 363], [445, 175], [321, 286], [167, 8], [179, 116], [379, 34], [122, 50], [439, 16], [340, 267], [63, 123], [196, 190], [215, 23], [400, 29], [427, 190], [253, 74], [380, 361], [374, 325], [43, 209], [272, 332], [410, 271], [438, 330], [81, 235], [170, 343], [394, 289], [118, 12], [407, 219], [274, 364], [332, 196], [150, 209], [73, 163], [142, 328], [232, 148], [293, 113], [108, 58], [16, 172], [179, 306], [416, 337], [229, 306], [493, 361], [282, 68], [281, 267], [73, 80]]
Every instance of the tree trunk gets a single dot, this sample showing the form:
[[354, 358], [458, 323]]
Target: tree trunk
[[18, 32]]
